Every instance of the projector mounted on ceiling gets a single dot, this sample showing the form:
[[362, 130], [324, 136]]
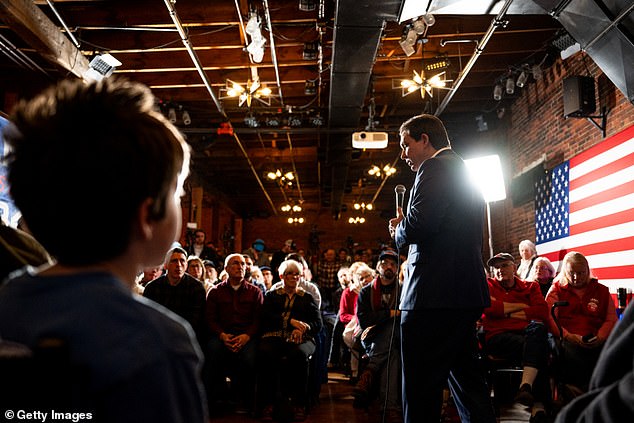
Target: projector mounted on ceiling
[[369, 139]]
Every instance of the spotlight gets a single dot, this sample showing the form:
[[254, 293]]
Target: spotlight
[[273, 121], [497, 92], [537, 72], [187, 120], [251, 121], [429, 19], [521, 79], [171, 115], [317, 120], [408, 40], [101, 66], [510, 85], [419, 26], [310, 88], [294, 121], [307, 5], [310, 50]]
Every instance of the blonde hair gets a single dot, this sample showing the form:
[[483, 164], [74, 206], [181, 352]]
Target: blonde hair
[[564, 276]]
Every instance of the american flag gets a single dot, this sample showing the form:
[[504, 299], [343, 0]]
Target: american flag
[[586, 204]]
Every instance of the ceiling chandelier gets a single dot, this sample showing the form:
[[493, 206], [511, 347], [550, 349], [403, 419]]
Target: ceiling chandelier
[[246, 93], [419, 82]]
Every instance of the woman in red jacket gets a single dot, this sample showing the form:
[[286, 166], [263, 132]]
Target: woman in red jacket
[[586, 322]]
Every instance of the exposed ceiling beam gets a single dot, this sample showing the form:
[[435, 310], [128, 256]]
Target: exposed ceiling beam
[[30, 23]]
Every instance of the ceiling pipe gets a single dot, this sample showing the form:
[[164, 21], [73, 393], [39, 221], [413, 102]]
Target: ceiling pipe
[[59, 18], [201, 72], [495, 23], [273, 53], [193, 56]]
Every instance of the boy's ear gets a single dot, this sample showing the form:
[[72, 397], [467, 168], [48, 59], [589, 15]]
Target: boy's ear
[[144, 219]]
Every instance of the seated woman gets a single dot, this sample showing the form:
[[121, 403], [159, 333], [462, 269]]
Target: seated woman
[[290, 320], [542, 272], [528, 253], [586, 322], [196, 268]]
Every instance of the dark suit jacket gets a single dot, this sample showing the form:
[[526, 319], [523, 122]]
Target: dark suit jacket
[[443, 228]]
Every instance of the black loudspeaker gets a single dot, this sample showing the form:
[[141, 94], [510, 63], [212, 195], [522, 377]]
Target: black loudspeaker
[[579, 96], [523, 186]]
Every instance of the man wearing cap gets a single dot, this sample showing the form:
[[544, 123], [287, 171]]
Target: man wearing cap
[[515, 330], [256, 252], [445, 290], [376, 311]]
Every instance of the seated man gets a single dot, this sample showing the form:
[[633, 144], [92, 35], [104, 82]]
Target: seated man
[[515, 329], [180, 292], [98, 156], [376, 311], [233, 317]]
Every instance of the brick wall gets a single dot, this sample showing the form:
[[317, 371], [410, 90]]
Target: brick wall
[[538, 128]]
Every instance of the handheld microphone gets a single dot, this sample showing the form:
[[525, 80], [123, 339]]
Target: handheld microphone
[[399, 190]]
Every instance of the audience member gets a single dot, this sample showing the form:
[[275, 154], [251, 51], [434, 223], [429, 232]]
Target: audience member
[[586, 322], [611, 392], [211, 271], [327, 277], [19, 249], [233, 317], [150, 273], [361, 276], [200, 249], [304, 282], [290, 320], [196, 268], [279, 256], [336, 355], [542, 272], [268, 277], [378, 315], [249, 273], [528, 254], [343, 257], [257, 253], [515, 329], [179, 292], [142, 361]]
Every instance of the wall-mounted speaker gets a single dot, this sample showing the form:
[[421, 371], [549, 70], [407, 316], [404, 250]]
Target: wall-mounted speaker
[[579, 98]]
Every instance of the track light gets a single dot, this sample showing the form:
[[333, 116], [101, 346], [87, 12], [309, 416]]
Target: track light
[[310, 50], [171, 115], [537, 72], [187, 120], [497, 92], [307, 5], [510, 85], [408, 40], [310, 87], [521, 79]]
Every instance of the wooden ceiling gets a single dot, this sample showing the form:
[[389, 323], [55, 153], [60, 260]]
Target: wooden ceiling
[[142, 35]]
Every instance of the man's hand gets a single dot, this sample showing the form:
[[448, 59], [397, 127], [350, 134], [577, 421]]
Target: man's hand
[[299, 325], [239, 341], [394, 222]]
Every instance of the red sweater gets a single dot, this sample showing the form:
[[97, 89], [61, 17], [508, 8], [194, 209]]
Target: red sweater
[[348, 305], [496, 321], [592, 312]]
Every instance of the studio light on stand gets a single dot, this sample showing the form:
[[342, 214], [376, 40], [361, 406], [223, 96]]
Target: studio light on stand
[[486, 174]]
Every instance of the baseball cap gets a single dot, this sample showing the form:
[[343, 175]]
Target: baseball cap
[[259, 245], [388, 253], [499, 258]]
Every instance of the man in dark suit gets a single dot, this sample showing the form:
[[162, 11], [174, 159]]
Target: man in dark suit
[[445, 290]]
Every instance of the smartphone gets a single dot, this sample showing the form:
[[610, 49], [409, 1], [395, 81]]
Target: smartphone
[[589, 338]]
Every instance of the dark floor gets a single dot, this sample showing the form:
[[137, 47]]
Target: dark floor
[[335, 405]]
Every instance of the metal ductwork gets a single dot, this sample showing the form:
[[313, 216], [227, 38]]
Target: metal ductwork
[[604, 29], [357, 35]]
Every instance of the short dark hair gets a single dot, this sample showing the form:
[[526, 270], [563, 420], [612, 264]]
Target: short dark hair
[[426, 124], [87, 156]]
